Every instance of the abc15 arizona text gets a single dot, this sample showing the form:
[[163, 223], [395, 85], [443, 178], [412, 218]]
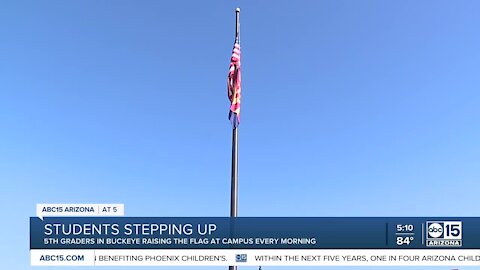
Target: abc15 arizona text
[[444, 233]]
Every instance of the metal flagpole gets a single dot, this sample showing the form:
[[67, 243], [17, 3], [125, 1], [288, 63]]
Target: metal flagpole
[[234, 177]]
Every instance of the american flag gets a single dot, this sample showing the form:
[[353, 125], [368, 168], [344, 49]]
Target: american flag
[[234, 86]]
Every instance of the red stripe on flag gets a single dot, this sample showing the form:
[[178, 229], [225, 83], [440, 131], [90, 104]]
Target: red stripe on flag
[[234, 85]]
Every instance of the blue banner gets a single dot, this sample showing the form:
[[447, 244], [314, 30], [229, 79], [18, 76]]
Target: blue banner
[[254, 233]]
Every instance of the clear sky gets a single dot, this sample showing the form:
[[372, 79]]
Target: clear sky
[[350, 108]]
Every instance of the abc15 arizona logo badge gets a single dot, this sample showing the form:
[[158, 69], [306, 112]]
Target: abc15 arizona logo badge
[[444, 233]]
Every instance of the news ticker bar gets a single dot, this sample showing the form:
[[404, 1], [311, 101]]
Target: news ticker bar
[[254, 233], [248, 257]]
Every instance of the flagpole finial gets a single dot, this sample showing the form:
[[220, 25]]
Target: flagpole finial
[[237, 26]]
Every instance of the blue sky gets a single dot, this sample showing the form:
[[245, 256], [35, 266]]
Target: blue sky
[[350, 108]]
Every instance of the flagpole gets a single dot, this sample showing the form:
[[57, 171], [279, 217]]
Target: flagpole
[[234, 176]]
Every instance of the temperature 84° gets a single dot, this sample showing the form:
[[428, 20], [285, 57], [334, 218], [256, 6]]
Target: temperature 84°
[[404, 240]]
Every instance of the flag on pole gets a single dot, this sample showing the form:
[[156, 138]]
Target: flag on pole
[[234, 86]]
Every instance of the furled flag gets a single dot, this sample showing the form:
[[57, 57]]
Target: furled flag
[[234, 86]]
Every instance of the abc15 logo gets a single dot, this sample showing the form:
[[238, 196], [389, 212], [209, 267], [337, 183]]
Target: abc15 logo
[[241, 257], [448, 230]]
